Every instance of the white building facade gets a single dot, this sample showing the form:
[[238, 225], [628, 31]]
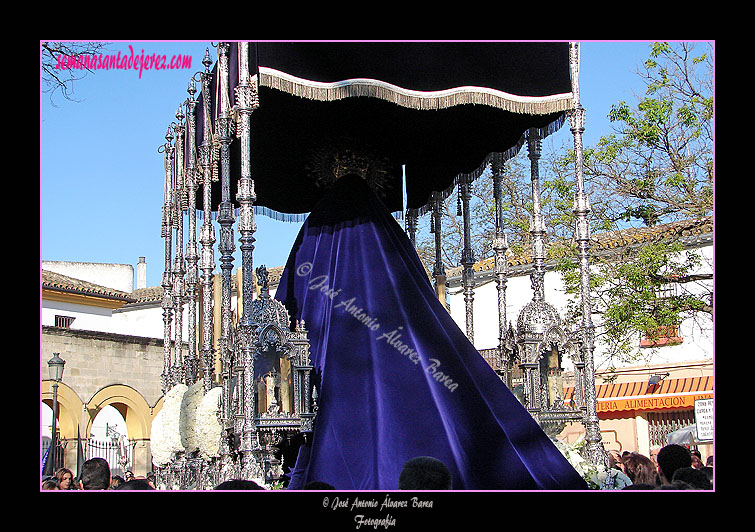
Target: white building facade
[[633, 415]]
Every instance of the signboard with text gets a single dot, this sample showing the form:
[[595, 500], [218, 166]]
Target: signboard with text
[[704, 419]]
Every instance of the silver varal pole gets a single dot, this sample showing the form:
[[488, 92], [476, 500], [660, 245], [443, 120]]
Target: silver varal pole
[[500, 245], [166, 379], [192, 257], [246, 102], [226, 245], [467, 258], [207, 238], [596, 454], [179, 270]]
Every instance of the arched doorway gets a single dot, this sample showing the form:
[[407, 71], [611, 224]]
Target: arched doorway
[[67, 423], [118, 426]]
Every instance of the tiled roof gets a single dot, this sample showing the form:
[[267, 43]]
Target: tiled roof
[[154, 294], [63, 283], [611, 240]]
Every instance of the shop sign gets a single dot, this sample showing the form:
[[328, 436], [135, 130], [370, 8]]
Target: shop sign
[[651, 402], [704, 419]]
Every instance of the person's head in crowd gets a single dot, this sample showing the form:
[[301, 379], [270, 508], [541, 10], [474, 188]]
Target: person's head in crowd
[[640, 469], [670, 458], [615, 460], [697, 459], [65, 478], [425, 473], [95, 474], [50, 484], [135, 484], [694, 477], [238, 484]]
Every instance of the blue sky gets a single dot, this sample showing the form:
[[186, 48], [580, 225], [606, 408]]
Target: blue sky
[[101, 177]]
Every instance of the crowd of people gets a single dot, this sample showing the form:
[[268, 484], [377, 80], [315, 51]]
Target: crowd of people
[[675, 467], [422, 472], [95, 475]]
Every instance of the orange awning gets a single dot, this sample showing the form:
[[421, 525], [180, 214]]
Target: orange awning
[[669, 393]]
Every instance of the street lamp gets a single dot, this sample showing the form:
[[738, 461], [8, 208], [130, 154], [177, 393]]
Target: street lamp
[[55, 366]]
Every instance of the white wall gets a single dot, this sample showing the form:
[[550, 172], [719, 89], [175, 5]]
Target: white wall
[[697, 334], [116, 276]]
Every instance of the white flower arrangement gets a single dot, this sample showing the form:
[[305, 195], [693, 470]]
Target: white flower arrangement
[[187, 422], [596, 476], [165, 438], [208, 429], [190, 402]]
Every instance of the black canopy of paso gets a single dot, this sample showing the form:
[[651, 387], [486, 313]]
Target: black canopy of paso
[[441, 110]]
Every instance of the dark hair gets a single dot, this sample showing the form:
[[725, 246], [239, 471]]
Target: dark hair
[[425, 473], [50, 484], [640, 469], [238, 484], [95, 474], [672, 457], [694, 477], [676, 485], [135, 484]]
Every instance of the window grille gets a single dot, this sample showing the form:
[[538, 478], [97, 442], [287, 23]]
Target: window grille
[[64, 321], [118, 454], [660, 424]]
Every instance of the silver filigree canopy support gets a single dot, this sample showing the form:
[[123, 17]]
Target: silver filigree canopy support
[[537, 317], [594, 448], [537, 224], [226, 220], [467, 258], [226, 246], [207, 238], [179, 270], [192, 256], [246, 102], [411, 225], [166, 379], [436, 227], [500, 245]]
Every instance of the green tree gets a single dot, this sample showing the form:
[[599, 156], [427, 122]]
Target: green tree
[[658, 166], [655, 167]]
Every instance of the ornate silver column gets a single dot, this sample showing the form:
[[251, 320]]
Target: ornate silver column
[[537, 225], [226, 246], [467, 258], [538, 316], [411, 225], [207, 238], [594, 448], [246, 102], [500, 245], [166, 379], [192, 257], [436, 227], [179, 370]]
